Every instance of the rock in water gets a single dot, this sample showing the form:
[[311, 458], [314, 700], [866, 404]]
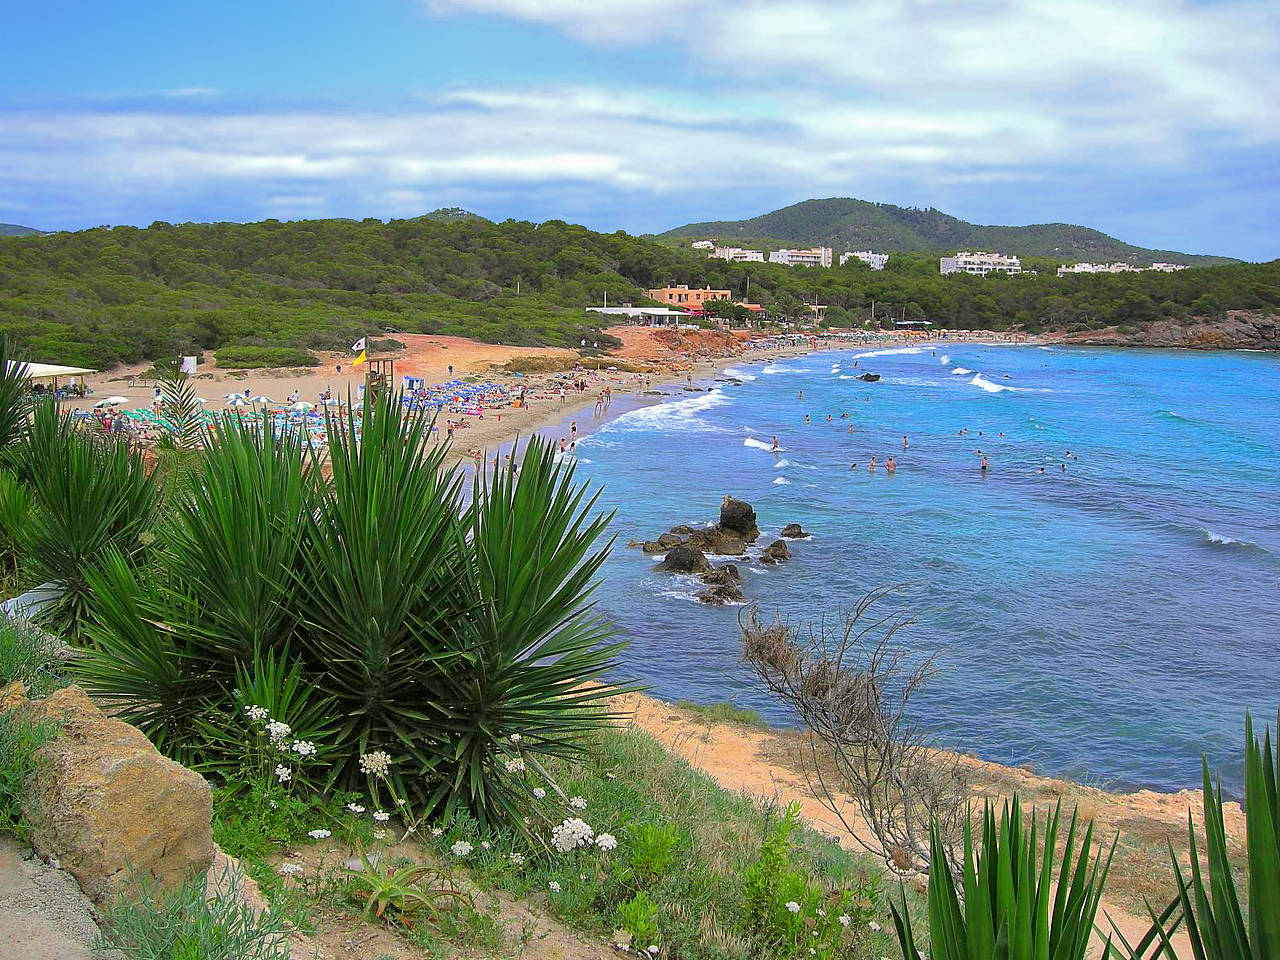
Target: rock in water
[[721, 594], [108, 806], [726, 575], [775, 552], [739, 517], [793, 531], [682, 559]]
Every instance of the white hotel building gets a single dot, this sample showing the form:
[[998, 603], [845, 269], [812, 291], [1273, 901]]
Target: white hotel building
[[812, 257], [980, 263], [1117, 267], [875, 261], [738, 255]]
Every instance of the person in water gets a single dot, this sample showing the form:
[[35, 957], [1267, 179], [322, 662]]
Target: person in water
[[891, 465], [872, 465], [984, 466], [806, 419], [775, 443], [854, 465], [905, 442]]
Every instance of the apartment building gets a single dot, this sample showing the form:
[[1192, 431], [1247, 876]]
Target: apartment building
[[738, 255], [980, 263], [702, 244], [812, 257], [1117, 268], [681, 296], [875, 261]]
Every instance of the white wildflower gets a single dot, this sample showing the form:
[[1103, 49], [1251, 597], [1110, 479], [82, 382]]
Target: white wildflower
[[653, 949], [517, 859], [319, 834], [821, 912], [793, 907], [514, 766], [379, 834], [607, 841], [401, 802], [381, 816], [279, 733], [355, 808], [304, 748], [844, 919], [515, 738], [256, 713], [273, 805], [283, 774], [290, 869], [538, 793], [577, 803], [437, 832], [554, 886], [376, 763], [484, 844], [461, 848], [873, 927], [570, 835], [611, 776]]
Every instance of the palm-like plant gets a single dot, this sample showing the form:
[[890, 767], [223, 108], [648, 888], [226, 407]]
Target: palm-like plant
[[1010, 906], [1217, 925], [380, 592], [539, 649], [89, 497], [179, 407], [13, 395]]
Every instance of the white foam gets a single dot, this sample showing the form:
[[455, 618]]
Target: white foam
[[784, 462], [738, 374], [888, 353], [847, 376], [676, 416], [960, 370], [782, 480], [945, 359], [779, 368], [761, 445]]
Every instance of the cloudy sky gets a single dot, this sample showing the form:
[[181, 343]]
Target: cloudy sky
[[1155, 120]]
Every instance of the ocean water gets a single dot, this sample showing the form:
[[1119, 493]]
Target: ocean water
[[1107, 622]]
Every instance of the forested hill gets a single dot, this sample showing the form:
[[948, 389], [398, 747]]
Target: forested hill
[[850, 224], [17, 230], [108, 295]]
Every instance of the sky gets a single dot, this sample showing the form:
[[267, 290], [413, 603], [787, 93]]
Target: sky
[[1157, 121]]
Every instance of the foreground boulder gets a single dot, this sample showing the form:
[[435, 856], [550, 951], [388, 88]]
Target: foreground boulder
[[739, 517], [107, 805], [793, 531], [682, 559]]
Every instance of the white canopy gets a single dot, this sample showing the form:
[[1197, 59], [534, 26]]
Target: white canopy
[[46, 371]]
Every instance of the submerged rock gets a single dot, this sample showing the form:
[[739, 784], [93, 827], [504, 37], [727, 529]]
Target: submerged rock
[[776, 552]]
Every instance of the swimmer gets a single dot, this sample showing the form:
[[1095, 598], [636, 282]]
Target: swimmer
[[853, 466], [775, 443], [905, 442], [1042, 469], [828, 418], [984, 465], [799, 394], [806, 419], [871, 467], [1064, 468], [891, 465]]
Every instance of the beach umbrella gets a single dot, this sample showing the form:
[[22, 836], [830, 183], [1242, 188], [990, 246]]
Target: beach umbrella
[[331, 402], [236, 400], [111, 401], [302, 406], [233, 396], [263, 399]]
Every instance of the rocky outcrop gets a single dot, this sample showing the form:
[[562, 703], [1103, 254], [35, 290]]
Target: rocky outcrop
[[869, 377], [776, 552], [793, 531], [106, 804], [738, 517], [682, 559], [1237, 330], [724, 585]]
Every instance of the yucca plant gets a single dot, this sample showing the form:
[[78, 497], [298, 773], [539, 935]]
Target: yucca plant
[[380, 592], [538, 649], [14, 392], [179, 407], [1217, 925], [89, 496], [1009, 904]]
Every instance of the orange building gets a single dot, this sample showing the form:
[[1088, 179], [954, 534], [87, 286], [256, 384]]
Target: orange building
[[682, 296]]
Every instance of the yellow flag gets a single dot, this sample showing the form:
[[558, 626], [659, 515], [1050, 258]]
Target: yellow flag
[[363, 358]]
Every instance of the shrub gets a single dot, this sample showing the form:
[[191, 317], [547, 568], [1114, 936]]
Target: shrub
[[19, 741], [246, 357], [151, 924], [29, 655]]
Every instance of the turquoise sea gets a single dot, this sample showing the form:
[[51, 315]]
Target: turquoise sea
[[1107, 622]]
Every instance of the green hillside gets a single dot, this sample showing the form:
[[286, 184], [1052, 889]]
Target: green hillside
[[113, 294], [849, 224], [17, 230]]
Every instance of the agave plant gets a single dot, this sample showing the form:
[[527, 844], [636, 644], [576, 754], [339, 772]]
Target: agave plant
[[13, 395], [1009, 905], [1217, 925], [538, 650], [89, 496]]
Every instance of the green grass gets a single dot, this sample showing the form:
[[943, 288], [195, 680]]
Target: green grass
[[28, 655], [244, 357], [725, 712]]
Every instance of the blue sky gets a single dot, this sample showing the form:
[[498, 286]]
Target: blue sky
[[1157, 121]]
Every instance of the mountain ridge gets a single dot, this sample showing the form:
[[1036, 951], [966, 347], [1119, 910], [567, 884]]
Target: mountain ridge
[[18, 230], [852, 224]]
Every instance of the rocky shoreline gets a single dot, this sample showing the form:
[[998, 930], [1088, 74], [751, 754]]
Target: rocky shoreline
[[685, 549]]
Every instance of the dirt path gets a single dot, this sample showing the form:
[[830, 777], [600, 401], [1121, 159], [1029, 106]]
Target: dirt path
[[768, 764]]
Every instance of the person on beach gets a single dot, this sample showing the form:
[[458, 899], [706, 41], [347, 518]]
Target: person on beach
[[891, 465]]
